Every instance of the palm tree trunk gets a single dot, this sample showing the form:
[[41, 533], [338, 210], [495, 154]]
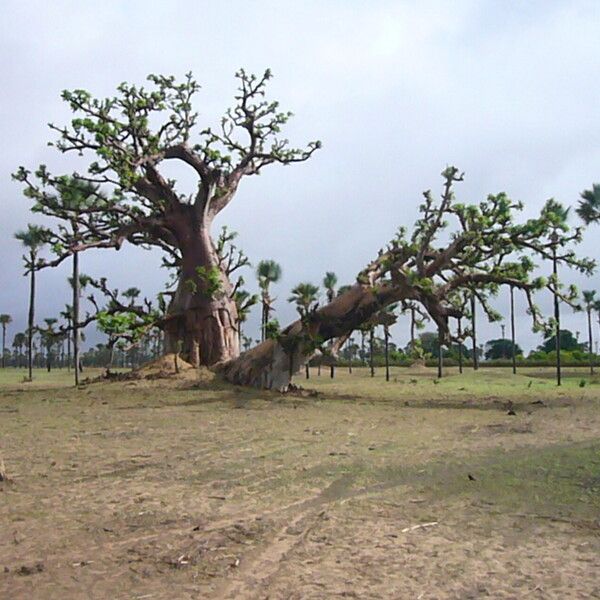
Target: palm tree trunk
[[590, 340], [76, 315], [440, 355], [386, 334], [69, 321], [473, 326], [556, 317], [371, 340], [512, 330], [31, 317], [350, 344], [3, 343], [460, 347]]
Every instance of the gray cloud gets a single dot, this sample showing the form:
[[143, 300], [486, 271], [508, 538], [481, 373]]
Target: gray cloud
[[396, 90]]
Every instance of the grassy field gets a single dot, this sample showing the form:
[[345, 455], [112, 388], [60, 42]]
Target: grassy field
[[188, 488]]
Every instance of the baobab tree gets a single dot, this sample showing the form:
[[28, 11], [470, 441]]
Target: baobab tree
[[5, 320], [487, 249], [127, 139], [33, 238], [268, 272]]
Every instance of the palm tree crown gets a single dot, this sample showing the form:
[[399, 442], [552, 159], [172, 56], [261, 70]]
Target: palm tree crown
[[329, 283], [33, 238], [589, 299], [589, 205], [268, 272], [304, 295]]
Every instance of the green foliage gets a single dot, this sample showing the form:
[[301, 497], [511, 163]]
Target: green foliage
[[329, 283], [568, 342], [305, 296], [501, 348], [268, 272], [211, 281], [589, 205], [272, 329]]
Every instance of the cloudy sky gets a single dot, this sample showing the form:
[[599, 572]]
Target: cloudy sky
[[506, 90]]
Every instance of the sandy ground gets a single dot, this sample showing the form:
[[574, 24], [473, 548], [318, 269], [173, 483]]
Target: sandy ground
[[413, 489]]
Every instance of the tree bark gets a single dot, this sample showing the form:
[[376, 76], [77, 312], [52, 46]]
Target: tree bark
[[269, 364], [201, 323]]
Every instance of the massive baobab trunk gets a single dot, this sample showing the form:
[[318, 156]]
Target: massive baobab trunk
[[272, 363], [202, 318]]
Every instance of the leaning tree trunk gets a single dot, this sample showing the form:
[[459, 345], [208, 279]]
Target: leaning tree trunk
[[201, 323], [272, 364]]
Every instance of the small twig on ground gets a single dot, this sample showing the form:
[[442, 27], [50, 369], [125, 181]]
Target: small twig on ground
[[420, 526]]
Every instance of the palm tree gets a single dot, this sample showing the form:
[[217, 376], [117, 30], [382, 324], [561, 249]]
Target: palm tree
[[387, 318], [512, 330], [329, 283], [131, 293], [49, 336], [67, 314], [244, 301], [247, 343], [19, 341], [589, 300], [78, 282], [589, 205], [305, 296], [557, 215], [5, 319], [268, 272], [74, 196], [33, 238], [474, 332]]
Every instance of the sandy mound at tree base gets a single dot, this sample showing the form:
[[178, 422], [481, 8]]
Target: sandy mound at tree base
[[163, 366]]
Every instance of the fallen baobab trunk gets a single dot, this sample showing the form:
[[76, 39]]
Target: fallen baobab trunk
[[272, 364]]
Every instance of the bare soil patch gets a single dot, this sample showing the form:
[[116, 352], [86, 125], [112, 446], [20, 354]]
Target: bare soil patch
[[174, 488]]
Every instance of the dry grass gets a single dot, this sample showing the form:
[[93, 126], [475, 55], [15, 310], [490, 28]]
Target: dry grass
[[172, 488]]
